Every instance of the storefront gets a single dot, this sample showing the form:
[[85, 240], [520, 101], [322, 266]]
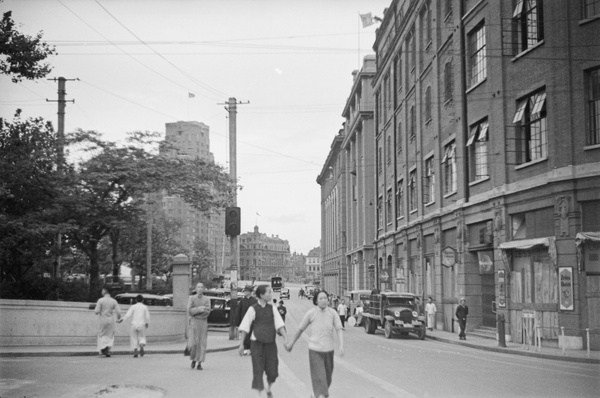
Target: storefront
[[588, 264]]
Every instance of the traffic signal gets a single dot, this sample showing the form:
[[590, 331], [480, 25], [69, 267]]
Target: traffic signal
[[232, 221]]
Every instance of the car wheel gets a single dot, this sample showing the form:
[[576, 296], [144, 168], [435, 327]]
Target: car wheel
[[422, 333], [388, 330], [371, 326]]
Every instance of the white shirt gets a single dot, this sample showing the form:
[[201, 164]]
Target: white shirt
[[251, 315], [430, 308], [342, 309], [139, 314]]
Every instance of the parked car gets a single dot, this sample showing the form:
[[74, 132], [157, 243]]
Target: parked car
[[284, 294], [354, 297], [149, 299], [310, 291], [220, 314], [395, 313]]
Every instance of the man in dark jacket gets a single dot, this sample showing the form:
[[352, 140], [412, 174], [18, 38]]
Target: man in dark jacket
[[461, 314], [246, 302]]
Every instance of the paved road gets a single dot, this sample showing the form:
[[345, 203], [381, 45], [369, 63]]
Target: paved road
[[372, 367]]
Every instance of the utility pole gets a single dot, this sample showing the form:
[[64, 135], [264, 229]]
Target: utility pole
[[60, 150], [231, 108]]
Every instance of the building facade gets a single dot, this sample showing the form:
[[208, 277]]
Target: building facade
[[313, 265], [358, 150], [488, 162], [262, 257], [193, 139]]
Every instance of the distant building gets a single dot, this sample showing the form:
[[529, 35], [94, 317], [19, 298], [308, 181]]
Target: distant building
[[298, 265], [193, 139], [313, 265], [262, 257]]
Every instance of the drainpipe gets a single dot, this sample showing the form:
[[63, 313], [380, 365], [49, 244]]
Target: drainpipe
[[463, 93]]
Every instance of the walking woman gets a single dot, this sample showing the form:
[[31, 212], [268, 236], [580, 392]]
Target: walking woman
[[198, 310], [324, 321], [105, 308], [263, 321]]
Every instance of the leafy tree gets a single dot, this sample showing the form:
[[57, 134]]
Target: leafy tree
[[110, 187], [29, 188], [22, 55], [202, 257]]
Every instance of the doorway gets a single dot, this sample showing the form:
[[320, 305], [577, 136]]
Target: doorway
[[488, 295]]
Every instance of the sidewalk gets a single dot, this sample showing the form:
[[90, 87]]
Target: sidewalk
[[514, 348], [218, 340]]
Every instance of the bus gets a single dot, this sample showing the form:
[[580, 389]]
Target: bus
[[276, 283]]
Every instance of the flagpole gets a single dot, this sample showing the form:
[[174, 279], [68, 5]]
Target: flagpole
[[359, 20]]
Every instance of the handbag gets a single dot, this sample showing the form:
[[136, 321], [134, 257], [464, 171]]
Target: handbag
[[186, 351]]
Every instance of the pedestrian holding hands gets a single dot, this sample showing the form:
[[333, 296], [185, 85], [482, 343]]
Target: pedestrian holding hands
[[139, 323]]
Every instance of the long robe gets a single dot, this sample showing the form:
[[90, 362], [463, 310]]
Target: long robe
[[105, 308], [198, 335]]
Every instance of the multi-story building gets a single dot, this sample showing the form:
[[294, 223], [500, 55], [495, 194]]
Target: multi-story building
[[193, 139], [313, 265], [298, 265], [332, 180], [488, 161], [262, 257], [358, 150]]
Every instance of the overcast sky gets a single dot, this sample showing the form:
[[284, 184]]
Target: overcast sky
[[137, 60]]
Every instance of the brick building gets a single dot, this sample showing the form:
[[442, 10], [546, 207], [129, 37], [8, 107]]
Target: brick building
[[262, 257]]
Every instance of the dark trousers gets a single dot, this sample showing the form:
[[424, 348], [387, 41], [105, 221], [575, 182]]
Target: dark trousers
[[462, 323], [247, 341], [343, 319], [264, 360], [321, 370]]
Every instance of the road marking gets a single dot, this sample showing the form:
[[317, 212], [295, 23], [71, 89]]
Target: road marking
[[299, 389]]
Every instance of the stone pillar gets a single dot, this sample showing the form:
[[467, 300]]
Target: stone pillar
[[181, 281]]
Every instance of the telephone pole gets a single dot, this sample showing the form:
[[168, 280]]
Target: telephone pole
[[60, 149], [231, 107]]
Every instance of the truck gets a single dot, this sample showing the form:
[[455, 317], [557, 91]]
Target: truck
[[395, 313]]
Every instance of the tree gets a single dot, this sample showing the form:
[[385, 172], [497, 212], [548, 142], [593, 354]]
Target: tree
[[202, 257], [23, 55], [110, 187], [29, 189]]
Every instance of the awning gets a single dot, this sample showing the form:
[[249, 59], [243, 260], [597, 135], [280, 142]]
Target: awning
[[583, 236], [524, 244]]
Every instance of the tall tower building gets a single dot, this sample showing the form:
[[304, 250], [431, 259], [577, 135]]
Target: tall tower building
[[193, 138]]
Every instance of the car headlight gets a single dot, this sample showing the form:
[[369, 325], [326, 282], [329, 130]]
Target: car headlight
[[415, 314], [397, 314]]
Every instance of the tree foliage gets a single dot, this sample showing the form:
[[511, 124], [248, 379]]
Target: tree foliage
[[22, 55]]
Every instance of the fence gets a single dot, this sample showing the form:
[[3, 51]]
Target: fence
[[580, 332]]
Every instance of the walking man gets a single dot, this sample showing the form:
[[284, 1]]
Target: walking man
[[246, 302], [139, 323], [343, 311], [282, 310], [105, 308], [323, 321], [198, 310], [430, 310], [263, 322], [461, 314]]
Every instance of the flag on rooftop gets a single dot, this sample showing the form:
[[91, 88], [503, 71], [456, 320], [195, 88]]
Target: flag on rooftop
[[367, 19], [191, 95]]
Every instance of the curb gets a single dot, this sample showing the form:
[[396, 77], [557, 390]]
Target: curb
[[93, 353], [517, 352]]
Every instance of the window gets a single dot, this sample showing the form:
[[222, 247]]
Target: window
[[447, 8], [400, 199], [448, 86], [380, 212], [479, 151], [379, 160], [531, 129], [412, 45], [428, 104], [378, 109], [429, 182], [477, 62], [399, 141], [389, 207], [591, 8], [413, 121], [388, 149], [593, 107], [529, 23], [386, 93], [449, 162], [399, 75], [412, 191]]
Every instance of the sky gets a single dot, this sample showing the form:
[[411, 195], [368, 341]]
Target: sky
[[137, 62]]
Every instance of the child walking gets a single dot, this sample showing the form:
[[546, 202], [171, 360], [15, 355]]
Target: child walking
[[265, 322], [139, 323]]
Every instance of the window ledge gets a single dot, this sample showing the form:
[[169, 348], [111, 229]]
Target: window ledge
[[588, 20], [479, 181], [525, 165], [591, 147], [525, 52], [448, 101], [400, 218], [428, 45], [430, 203], [413, 211], [448, 15], [446, 196], [473, 87], [427, 121]]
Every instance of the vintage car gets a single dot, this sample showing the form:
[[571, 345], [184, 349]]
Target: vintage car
[[284, 294], [220, 311], [354, 297], [149, 299], [394, 313]]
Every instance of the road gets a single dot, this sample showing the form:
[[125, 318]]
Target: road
[[372, 367]]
